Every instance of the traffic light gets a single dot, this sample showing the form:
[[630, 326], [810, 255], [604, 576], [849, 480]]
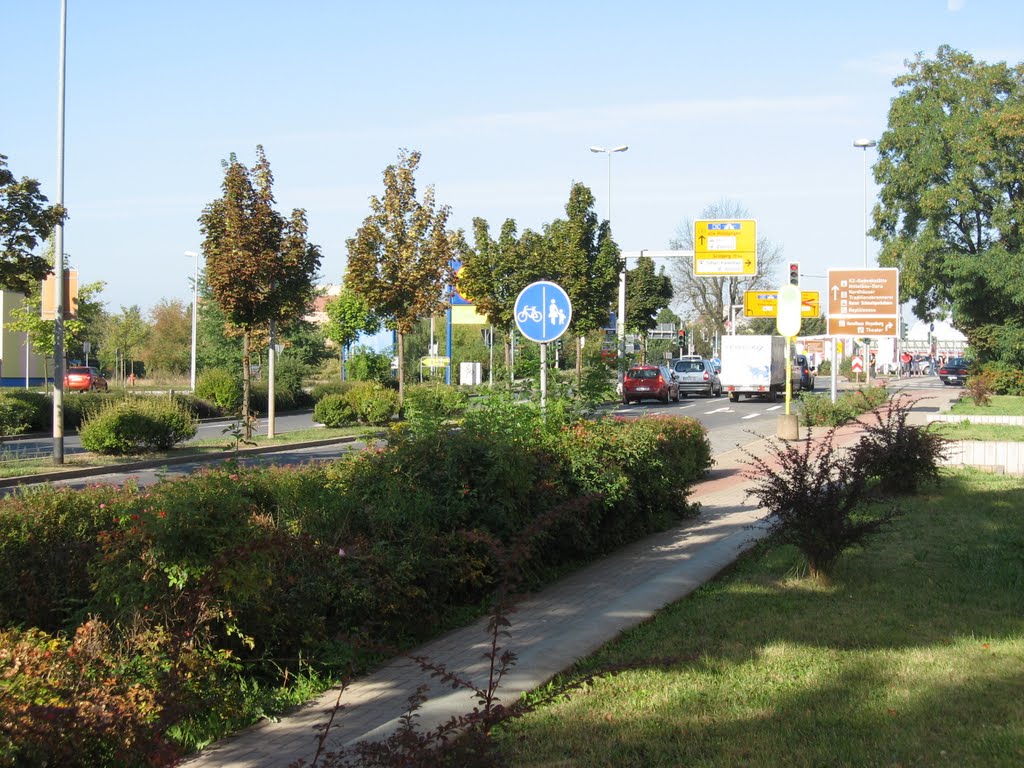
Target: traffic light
[[682, 337], [794, 273]]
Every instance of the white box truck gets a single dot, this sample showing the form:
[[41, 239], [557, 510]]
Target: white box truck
[[755, 366]]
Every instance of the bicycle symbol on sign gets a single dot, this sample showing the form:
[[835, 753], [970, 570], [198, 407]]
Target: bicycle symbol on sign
[[529, 313]]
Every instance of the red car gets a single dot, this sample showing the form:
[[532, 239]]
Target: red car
[[649, 382], [82, 379]]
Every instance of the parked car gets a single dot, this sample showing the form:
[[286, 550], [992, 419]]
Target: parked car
[[80, 378], [649, 382], [803, 365], [697, 376], [955, 370]]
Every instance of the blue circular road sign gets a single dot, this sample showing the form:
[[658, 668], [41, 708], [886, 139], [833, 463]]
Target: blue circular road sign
[[543, 311]]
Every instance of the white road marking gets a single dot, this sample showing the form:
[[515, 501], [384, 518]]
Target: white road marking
[[752, 416]]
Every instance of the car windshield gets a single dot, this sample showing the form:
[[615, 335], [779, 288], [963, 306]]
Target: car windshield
[[957, 362], [690, 367], [643, 373], [79, 371]]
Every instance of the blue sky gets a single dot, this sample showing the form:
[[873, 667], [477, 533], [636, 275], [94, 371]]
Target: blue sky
[[753, 102]]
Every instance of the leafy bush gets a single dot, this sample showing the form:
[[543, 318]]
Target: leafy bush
[[79, 702], [23, 410], [289, 377], [222, 387], [816, 410], [1005, 378], [434, 400], [373, 403], [364, 364], [137, 425], [980, 387], [334, 410], [812, 494], [331, 387], [900, 455]]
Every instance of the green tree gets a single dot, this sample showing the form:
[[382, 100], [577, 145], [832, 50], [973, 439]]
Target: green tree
[[495, 271], [400, 259], [705, 301], [169, 345], [587, 261], [648, 292], [951, 171], [348, 316], [25, 222], [259, 265], [123, 337]]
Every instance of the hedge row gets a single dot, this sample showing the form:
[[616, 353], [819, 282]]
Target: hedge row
[[195, 576]]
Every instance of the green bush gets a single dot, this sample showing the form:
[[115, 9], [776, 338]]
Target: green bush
[[373, 403], [434, 400], [79, 407], [818, 410], [331, 387], [137, 425], [289, 376], [25, 410], [366, 365], [1004, 379], [222, 387], [334, 410]]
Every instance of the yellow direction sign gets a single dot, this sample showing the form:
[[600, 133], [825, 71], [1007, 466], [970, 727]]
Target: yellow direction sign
[[724, 247], [765, 304]]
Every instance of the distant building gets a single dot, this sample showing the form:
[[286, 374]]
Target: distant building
[[318, 310], [19, 365]]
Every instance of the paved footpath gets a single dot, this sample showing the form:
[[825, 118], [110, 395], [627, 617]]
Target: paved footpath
[[550, 629]]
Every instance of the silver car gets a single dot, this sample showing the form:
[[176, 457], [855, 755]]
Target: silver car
[[697, 376]]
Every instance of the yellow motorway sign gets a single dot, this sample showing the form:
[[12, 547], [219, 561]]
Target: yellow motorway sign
[[765, 304], [723, 247]]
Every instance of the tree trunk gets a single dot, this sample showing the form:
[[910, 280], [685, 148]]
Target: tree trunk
[[246, 385], [401, 368], [579, 360]]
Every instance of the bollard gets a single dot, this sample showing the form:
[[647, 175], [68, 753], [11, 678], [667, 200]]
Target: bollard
[[788, 427]]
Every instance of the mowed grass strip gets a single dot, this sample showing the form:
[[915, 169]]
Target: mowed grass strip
[[999, 405], [965, 430], [912, 655]]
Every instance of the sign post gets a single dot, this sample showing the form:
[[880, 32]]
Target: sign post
[[864, 302], [788, 324], [542, 314]]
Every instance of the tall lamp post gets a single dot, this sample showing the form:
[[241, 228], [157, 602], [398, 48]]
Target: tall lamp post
[[621, 319], [195, 309], [864, 144]]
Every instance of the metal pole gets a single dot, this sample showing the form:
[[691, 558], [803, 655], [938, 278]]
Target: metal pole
[[271, 360], [58, 266], [543, 376], [195, 316], [865, 207]]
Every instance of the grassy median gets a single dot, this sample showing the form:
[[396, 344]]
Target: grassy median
[[913, 654]]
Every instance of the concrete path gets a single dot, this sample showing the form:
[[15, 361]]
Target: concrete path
[[550, 630]]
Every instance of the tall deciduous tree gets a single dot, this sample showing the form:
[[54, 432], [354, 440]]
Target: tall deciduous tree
[[400, 259], [25, 222], [951, 170], [581, 250], [495, 271], [169, 345], [647, 293], [124, 336], [260, 266], [705, 301], [347, 317]]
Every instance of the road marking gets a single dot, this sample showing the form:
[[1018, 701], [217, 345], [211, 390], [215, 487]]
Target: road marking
[[774, 407], [718, 410], [752, 416]]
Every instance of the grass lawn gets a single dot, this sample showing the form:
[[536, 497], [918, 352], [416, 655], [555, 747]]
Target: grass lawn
[[913, 655], [1001, 405], [965, 430]]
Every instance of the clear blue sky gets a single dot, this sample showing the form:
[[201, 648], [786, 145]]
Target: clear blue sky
[[751, 101]]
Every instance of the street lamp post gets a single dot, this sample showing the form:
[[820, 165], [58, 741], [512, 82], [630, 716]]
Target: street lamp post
[[195, 306], [864, 144], [621, 319]]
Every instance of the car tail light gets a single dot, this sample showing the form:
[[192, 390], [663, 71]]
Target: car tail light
[[706, 377]]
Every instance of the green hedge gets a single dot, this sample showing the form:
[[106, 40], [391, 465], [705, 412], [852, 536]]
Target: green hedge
[[266, 566]]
